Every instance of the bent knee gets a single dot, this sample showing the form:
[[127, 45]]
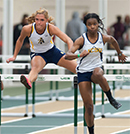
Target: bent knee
[[98, 73]]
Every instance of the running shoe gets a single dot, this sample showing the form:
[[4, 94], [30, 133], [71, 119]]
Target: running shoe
[[115, 104], [25, 81]]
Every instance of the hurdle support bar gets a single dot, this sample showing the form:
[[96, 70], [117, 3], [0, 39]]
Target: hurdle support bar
[[42, 77], [15, 114], [75, 104], [57, 115]]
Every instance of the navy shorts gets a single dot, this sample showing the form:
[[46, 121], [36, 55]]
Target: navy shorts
[[84, 76], [51, 56]]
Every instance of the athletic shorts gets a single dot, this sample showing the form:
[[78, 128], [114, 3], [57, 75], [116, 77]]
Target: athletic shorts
[[84, 76], [51, 56]]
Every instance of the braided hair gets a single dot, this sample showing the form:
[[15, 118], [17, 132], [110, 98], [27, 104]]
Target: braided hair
[[94, 15]]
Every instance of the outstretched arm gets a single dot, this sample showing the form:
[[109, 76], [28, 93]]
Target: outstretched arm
[[25, 32], [112, 40]]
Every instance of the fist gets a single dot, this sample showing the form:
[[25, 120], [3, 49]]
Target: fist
[[84, 53]]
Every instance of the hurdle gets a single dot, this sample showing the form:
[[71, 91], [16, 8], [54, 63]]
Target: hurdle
[[115, 67], [10, 78], [7, 77], [114, 53], [69, 78], [53, 66], [27, 66]]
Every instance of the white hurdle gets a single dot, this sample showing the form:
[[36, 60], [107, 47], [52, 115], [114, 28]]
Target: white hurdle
[[115, 67], [41, 77], [8, 77], [19, 57], [116, 77], [28, 66], [114, 53]]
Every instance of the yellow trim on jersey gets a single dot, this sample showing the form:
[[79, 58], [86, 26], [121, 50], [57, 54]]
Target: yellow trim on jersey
[[51, 41], [48, 28], [95, 50], [32, 44], [32, 29]]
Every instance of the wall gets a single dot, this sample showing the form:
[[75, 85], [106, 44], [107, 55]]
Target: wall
[[115, 7]]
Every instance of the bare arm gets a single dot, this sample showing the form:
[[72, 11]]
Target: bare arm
[[112, 40], [77, 44], [56, 31], [25, 32]]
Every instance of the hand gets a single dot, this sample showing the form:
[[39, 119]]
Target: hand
[[84, 53], [122, 58], [10, 59]]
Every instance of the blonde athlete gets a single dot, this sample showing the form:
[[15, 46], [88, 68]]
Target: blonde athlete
[[89, 68], [40, 32]]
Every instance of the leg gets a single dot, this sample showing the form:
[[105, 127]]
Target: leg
[[37, 64], [98, 78], [70, 65], [86, 93]]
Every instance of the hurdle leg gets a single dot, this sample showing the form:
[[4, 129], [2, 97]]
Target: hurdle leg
[[26, 101], [75, 104], [85, 125], [33, 99], [94, 98], [26, 91], [103, 105], [57, 86], [121, 83], [114, 72], [57, 94], [51, 87]]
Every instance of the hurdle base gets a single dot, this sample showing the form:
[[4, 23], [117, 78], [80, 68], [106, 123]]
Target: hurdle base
[[116, 116], [57, 99], [26, 115], [103, 116], [33, 115]]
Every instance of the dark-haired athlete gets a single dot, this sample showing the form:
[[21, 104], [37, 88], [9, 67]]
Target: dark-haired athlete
[[89, 68]]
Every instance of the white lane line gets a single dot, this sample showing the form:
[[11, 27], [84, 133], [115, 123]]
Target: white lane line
[[78, 126], [23, 106], [25, 118], [50, 113], [32, 126], [121, 131], [51, 128]]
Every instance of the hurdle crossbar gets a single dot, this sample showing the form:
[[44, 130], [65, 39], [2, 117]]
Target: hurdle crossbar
[[53, 77], [19, 57], [53, 66], [28, 66], [23, 66], [113, 52]]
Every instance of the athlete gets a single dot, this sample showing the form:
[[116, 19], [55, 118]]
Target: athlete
[[40, 32], [89, 69]]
